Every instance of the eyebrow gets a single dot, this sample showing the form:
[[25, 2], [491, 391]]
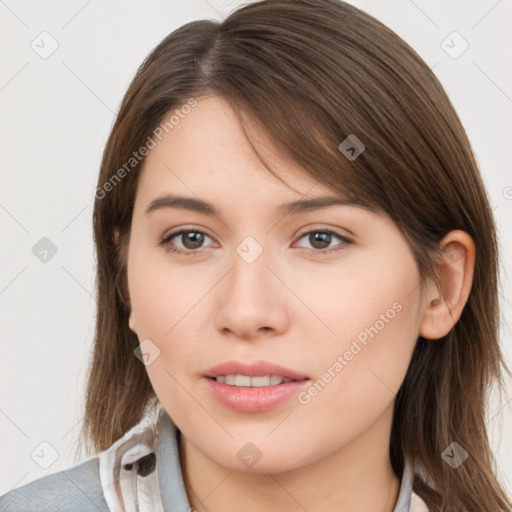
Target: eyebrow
[[201, 206]]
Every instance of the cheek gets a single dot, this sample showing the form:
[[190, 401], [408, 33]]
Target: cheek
[[359, 370], [368, 364], [170, 317], [363, 365], [373, 299], [163, 295]]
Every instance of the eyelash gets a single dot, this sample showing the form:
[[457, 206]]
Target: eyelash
[[315, 252]]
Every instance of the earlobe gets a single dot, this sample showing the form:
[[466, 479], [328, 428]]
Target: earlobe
[[445, 300], [131, 322]]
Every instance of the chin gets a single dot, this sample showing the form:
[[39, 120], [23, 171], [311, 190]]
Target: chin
[[257, 458]]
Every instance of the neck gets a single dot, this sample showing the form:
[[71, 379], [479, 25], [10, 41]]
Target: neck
[[355, 478]]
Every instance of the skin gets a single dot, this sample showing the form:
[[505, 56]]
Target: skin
[[291, 307]]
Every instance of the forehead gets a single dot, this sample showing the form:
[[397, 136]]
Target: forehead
[[207, 152]]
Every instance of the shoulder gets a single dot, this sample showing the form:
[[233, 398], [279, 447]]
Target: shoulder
[[74, 489]]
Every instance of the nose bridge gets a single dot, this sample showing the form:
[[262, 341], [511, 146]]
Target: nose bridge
[[249, 274], [250, 250], [250, 298]]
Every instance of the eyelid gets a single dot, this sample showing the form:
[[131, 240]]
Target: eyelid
[[335, 230]]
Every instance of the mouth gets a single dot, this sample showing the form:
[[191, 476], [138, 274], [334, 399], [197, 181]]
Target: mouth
[[253, 388]]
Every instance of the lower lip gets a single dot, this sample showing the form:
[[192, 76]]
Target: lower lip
[[249, 399]]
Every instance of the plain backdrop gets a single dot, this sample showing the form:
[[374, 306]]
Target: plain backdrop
[[56, 114]]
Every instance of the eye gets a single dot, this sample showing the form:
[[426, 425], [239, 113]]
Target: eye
[[191, 239], [321, 239]]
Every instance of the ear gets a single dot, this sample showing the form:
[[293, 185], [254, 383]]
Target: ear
[[445, 300], [126, 292]]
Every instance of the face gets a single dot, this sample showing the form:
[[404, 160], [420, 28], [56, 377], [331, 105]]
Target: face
[[330, 295]]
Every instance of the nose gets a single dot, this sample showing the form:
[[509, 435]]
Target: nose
[[251, 301]]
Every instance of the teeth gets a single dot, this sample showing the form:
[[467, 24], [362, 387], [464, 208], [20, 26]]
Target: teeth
[[254, 382], [242, 380], [258, 382], [275, 379]]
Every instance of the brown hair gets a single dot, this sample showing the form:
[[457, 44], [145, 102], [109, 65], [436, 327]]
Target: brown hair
[[314, 72]]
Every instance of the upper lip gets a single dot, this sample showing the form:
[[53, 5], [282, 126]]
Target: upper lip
[[256, 369]]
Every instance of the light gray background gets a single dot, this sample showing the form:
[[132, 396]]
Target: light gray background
[[56, 114]]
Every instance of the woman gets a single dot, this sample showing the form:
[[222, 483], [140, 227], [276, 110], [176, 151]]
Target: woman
[[297, 280]]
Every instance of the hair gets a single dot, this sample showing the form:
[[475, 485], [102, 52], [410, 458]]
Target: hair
[[314, 72]]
